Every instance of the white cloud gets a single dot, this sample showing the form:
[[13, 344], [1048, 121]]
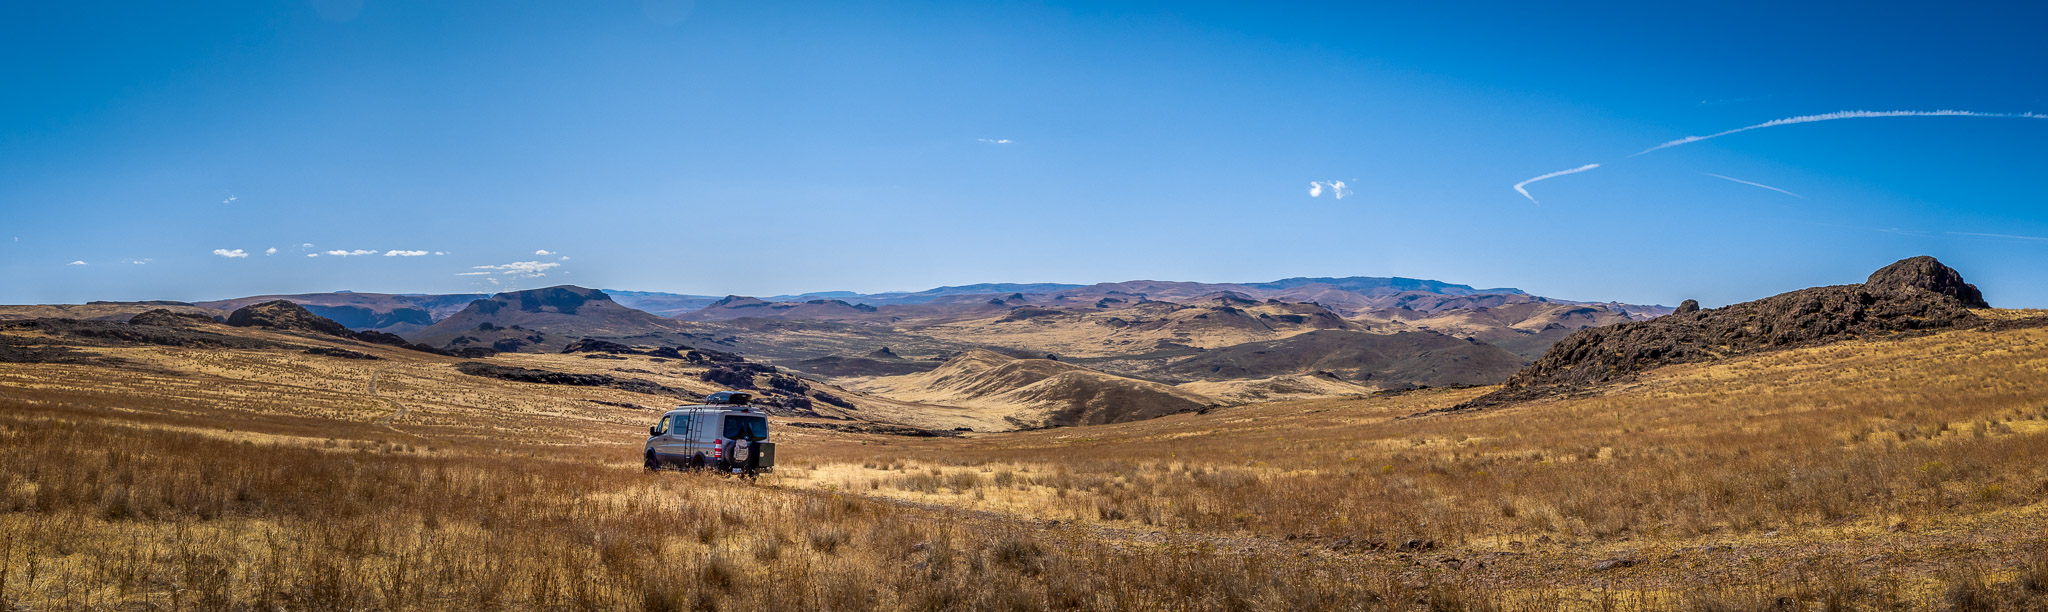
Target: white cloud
[[564, 258], [306, 245], [522, 269], [1532, 199], [143, 261], [439, 253], [404, 253], [472, 274], [269, 251], [312, 254], [543, 252], [1730, 178], [78, 263], [1337, 189], [341, 253], [1841, 115], [234, 254], [995, 141], [230, 200]]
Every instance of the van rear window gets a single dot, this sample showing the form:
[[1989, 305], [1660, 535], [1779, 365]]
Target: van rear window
[[746, 427]]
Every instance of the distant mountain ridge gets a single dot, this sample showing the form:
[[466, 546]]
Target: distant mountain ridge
[[385, 312]]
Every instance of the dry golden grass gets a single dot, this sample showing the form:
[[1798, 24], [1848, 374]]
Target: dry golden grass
[[1897, 475], [1892, 460]]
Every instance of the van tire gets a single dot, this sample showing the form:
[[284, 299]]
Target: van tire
[[651, 463], [697, 462]]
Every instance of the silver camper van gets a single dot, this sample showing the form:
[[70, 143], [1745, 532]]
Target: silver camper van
[[724, 433]]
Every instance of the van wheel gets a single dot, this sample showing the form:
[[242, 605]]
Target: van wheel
[[697, 463], [652, 463]]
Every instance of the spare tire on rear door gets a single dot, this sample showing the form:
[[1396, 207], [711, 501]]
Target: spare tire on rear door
[[738, 452]]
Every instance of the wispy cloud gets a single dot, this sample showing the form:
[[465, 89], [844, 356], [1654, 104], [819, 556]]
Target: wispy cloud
[[80, 262], [2004, 236], [341, 253], [439, 253], [1532, 199], [270, 251], [521, 269], [1752, 184], [995, 141], [139, 262], [230, 254], [404, 253], [1337, 189], [1836, 116], [230, 200], [543, 252]]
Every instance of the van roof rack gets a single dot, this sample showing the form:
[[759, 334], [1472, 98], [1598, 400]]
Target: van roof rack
[[729, 398]]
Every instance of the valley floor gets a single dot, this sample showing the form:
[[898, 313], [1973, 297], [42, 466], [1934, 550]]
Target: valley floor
[[1903, 474]]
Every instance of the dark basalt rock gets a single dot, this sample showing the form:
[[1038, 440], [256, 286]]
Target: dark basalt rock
[[377, 337], [590, 345], [342, 353], [1687, 307], [286, 316], [1917, 295], [1924, 273], [167, 318], [547, 377]]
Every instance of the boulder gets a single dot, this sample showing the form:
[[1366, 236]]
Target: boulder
[[1687, 307]]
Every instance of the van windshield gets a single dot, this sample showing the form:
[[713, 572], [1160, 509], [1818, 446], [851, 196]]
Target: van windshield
[[746, 427]]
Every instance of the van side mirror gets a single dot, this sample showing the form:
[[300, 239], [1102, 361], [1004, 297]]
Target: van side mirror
[[650, 430]]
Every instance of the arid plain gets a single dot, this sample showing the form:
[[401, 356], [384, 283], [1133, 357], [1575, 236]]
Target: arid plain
[[1898, 473]]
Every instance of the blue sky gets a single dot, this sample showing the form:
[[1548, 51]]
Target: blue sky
[[758, 148]]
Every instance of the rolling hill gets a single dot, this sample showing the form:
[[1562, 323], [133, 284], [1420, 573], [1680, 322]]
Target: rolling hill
[[1037, 392], [547, 320]]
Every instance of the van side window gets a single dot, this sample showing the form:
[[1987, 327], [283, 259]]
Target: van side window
[[661, 427]]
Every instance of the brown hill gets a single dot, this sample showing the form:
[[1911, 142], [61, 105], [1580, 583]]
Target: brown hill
[[1525, 328], [734, 307], [1913, 295], [1395, 360], [1037, 392], [554, 315], [1086, 331]]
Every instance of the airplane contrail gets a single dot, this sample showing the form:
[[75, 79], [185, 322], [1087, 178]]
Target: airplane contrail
[[1532, 199], [1841, 115], [1730, 178]]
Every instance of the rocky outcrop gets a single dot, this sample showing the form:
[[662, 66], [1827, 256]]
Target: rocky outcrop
[[592, 345], [286, 316], [1687, 307], [1923, 273], [1915, 295], [169, 318]]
